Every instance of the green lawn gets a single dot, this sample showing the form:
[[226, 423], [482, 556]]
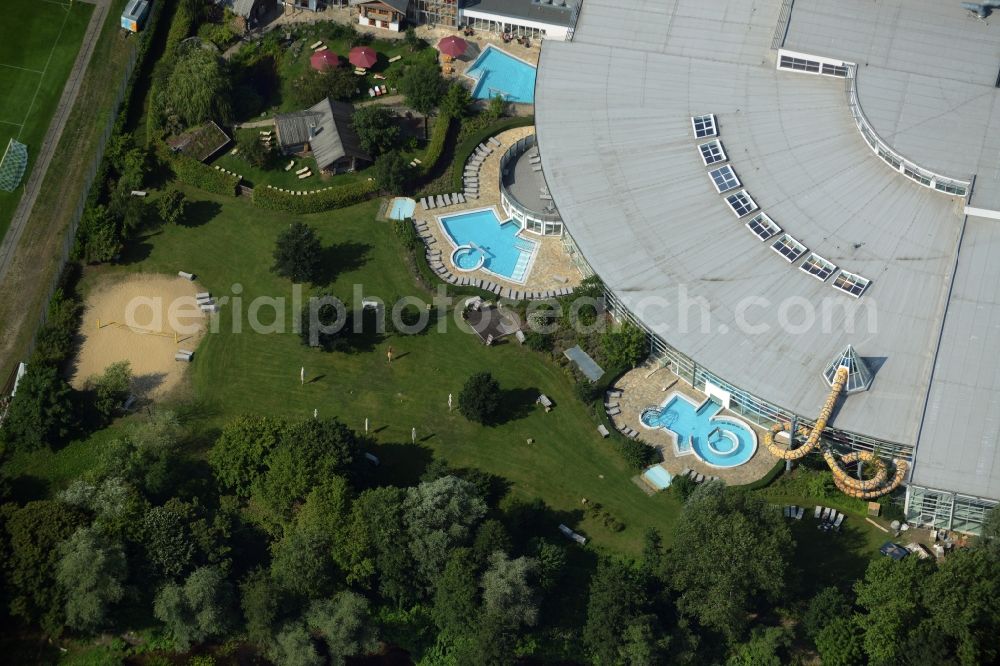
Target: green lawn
[[230, 242], [38, 44]]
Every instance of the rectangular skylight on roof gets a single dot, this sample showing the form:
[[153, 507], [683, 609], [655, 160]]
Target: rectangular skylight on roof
[[818, 267], [724, 179], [712, 152], [788, 247], [762, 226], [851, 284], [741, 203], [704, 126]]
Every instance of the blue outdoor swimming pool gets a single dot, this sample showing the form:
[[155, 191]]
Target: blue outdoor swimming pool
[[498, 73], [402, 208], [658, 477], [484, 242], [717, 440]]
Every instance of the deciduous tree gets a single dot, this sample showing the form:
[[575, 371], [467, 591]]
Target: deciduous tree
[[92, 572], [298, 253], [198, 88], [199, 609], [377, 129], [40, 413], [479, 399]]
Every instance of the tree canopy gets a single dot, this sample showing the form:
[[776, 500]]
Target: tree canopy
[[422, 85], [377, 129], [479, 399], [298, 253], [198, 88]]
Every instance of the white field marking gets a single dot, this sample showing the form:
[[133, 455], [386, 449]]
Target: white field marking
[[23, 69], [10, 123], [44, 70]]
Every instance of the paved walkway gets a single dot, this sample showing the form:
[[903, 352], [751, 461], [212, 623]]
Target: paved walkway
[[48, 148]]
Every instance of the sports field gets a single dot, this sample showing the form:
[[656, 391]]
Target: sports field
[[39, 40]]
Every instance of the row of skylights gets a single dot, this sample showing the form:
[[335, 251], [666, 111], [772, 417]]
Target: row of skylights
[[763, 227], [712, 152], [808, 66], [724, 179], [704, 126]]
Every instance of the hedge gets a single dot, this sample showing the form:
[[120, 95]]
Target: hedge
[[191, 171], [271, 198], [767, 479], [464, 149], [435, 147]]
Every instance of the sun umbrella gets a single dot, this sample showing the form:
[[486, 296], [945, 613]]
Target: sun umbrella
[[452, 46], [324, 60], [363, 57]]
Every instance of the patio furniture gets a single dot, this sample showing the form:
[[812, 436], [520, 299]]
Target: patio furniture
[[495, 141], [614, 411], [817, 512], [699, 478], [520, 336], [837, 523], [603, 430], [826, 514], [544, 401], [801, 512], [185, 275]]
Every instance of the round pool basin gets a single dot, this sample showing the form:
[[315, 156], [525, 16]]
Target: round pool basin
[[467, 258]]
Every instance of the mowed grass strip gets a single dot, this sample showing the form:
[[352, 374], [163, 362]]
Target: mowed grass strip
[[38, 45], [230, 243]]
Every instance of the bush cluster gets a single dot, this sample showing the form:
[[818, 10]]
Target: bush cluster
[[338, 196], [637, 454], [191, 171]]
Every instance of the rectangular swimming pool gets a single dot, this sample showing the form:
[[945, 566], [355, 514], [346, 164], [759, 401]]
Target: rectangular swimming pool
[[498, 73], [483, 241]]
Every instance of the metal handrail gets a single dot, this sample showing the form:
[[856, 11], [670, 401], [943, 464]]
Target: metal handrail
[[881, 148]]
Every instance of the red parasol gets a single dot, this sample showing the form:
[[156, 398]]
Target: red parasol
[[324, 60], [452, 46], [363, 57]]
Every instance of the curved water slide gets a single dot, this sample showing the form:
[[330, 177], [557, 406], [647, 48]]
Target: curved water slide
[[859, 488]]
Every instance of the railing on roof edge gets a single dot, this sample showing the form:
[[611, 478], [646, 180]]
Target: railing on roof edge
[[519, 147], [926, 177]]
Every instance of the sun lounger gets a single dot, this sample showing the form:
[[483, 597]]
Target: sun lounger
[[182, 357], [430, 203], [536, 169], [186, 276], [801, 512], [544, 401], [460, 197], [371, 92], [305, 175], [634, 434], [447, 199], [520, 336], [817, 512], [384, 90], [826, 514], [603, 430], [698, 478], [439, 201], [395, 58], [302, 170], [316, 44], [495, 141], [614, 411], [836, 523]]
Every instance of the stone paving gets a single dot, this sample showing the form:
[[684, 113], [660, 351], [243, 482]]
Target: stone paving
[[552, 268], [651, 385]]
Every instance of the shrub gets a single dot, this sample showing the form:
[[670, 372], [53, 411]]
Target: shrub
[[390, 172], [406, 233], [111, 389], [683, 486], [627, 345], [539, 342], [54, 342], [191, 171], [172, 206], [480, 398], [422, 85], [377, 129], [637, 454], [338, 196]]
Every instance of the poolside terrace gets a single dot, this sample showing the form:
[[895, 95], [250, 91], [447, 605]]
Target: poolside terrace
[[552, 268], [650, 384]]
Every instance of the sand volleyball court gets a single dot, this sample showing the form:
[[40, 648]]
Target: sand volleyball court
[[143, 319]]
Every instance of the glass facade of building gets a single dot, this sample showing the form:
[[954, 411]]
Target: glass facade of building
[[941, 509]]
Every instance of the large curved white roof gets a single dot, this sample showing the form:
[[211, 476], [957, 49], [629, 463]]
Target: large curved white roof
[[613, 115]]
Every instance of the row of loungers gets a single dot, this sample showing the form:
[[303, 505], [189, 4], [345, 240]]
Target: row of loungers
[[471, 175], [442, 200], [829, 519], [696, 477]]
